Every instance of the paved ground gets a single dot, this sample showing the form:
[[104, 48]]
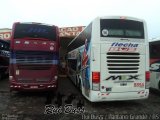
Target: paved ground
[[4, 85], [43, 106]]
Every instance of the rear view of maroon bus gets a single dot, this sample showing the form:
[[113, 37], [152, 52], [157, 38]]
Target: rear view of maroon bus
[[34, 57]]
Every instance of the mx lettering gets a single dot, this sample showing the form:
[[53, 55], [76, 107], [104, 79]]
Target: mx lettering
[[119, 77]]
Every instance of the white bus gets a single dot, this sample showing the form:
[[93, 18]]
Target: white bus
[[154, 47], [109, 59]]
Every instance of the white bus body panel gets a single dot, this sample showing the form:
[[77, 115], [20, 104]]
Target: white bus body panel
[[120, 86]]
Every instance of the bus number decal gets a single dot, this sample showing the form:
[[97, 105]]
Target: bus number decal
[[105, 32], [138, 84]]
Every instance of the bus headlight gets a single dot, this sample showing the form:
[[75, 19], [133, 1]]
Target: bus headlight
[[55, 77], [10, 77]]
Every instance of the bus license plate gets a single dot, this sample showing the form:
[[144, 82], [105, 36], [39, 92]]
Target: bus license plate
[[34, 87], [123, 84]]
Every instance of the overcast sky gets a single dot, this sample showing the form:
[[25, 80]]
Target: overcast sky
[[66, 13]]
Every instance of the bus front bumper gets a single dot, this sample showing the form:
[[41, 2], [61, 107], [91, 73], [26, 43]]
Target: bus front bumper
[[33, 87]]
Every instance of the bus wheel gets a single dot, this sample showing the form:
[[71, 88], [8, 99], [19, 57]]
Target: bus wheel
[[11, 93], [159, 85], [77, 84], [80, 86]]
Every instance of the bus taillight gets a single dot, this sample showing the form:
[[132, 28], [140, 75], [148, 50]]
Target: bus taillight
[[147, 76], [96, 77], [96, 80]]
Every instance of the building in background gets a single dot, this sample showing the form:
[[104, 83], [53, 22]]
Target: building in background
[[70, 31], [66, 35], [5, 33]]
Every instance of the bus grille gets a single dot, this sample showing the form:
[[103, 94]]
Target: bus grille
[[35, 57], [119, 62]]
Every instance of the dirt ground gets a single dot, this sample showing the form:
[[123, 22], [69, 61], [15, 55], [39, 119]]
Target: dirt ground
[[64, 104]]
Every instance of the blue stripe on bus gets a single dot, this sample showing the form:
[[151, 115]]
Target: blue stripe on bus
[[54, 59], [53, 62]]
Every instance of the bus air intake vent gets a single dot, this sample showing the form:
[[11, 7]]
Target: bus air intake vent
[[33, 57], [122, 63]]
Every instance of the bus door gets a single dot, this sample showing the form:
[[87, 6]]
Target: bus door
[[122, 67]]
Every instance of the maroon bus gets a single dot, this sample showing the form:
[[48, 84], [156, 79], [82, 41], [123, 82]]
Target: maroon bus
[[34, 57]]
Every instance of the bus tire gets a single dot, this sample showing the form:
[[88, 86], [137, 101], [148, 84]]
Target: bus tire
[[79, 85], [159, 85], [76, 82], [11, 93]]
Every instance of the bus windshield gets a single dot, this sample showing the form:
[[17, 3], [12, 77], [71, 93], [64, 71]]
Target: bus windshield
[[35, 31], [121, 28]]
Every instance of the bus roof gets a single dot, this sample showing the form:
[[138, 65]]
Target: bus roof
[[120, 17], [33, 23]]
